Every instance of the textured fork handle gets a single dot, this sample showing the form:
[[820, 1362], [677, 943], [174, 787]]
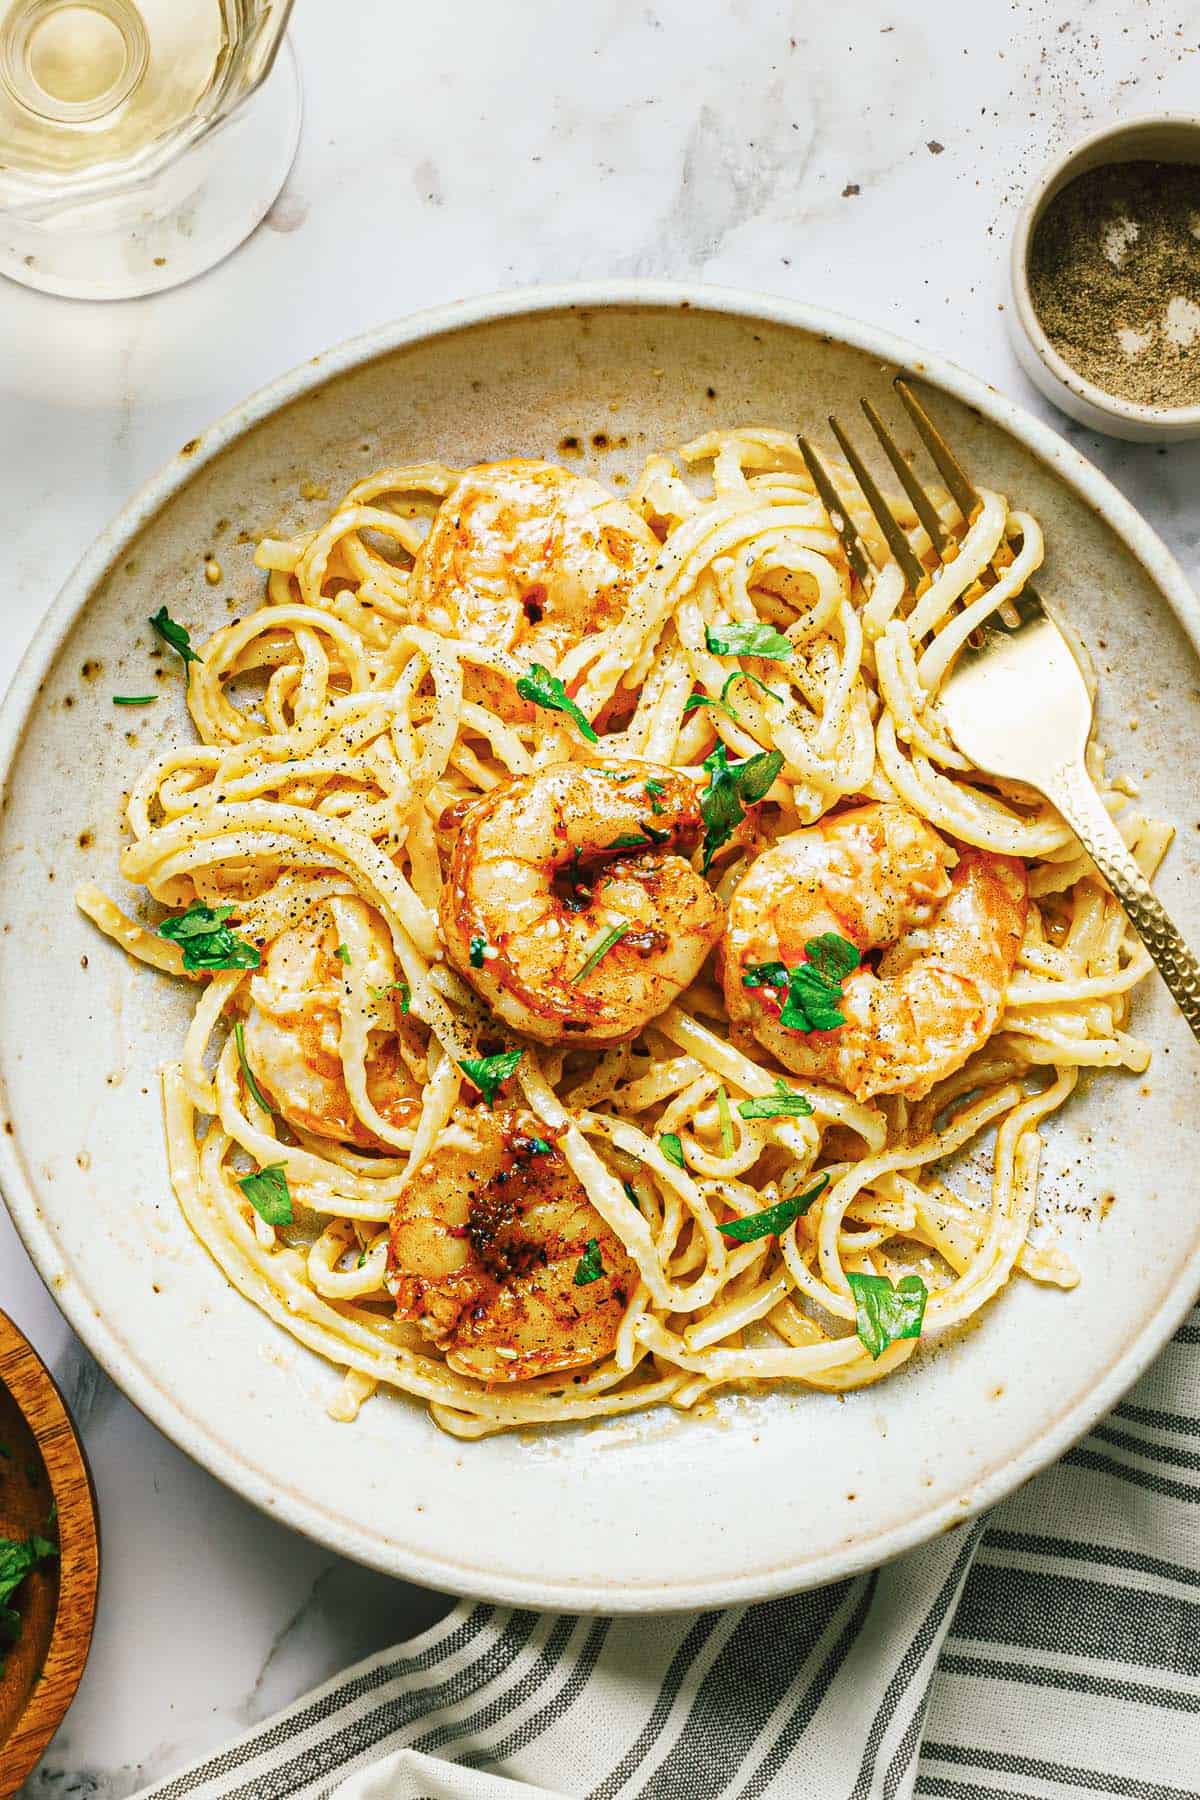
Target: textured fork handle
[[1073, 793]]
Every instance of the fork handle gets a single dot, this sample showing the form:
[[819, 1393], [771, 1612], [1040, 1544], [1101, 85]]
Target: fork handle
[[1073, 793]]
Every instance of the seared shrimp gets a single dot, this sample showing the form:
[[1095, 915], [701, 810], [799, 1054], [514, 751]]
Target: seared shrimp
[[292, 1034], [487, 1237], [949, 925], [525, 557], [568, 905]]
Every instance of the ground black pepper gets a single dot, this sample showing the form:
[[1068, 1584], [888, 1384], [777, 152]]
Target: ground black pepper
[[1114, 276]]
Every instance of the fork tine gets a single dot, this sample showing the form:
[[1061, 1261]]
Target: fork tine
[[921, 504], [856, 551], [949, 467], [893, 531]]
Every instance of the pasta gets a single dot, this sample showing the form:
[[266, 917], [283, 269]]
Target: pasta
[[360, 736]]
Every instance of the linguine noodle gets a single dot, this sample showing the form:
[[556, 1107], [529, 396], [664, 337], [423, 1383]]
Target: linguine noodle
[[337, 733]]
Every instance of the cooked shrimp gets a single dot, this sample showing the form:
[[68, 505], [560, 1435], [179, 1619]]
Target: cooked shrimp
[[568, 905], [486, 1239], [527, 558], [949, 925], [292, 1034]]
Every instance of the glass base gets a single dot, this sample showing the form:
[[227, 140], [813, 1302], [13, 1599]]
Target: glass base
[[193, 214]]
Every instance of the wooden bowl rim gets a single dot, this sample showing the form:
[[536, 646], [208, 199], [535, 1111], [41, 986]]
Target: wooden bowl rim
[[27, 1379]]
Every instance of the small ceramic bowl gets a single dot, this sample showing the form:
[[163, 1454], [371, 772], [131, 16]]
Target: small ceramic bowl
[[1166, 138], [45, 1487]]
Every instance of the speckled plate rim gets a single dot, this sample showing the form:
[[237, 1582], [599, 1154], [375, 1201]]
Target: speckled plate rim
[[154, 1398]]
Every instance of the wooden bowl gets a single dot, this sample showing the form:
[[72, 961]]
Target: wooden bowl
[[42, 1466]]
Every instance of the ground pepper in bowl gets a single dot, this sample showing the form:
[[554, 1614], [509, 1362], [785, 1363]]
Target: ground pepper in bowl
[[1114, 277]]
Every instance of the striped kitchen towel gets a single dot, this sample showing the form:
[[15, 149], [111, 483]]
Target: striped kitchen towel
[[1050, 1650]]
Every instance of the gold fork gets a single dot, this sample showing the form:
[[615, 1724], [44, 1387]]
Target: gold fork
[[1015, 701]]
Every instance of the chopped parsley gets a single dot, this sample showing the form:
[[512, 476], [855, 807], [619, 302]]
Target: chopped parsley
[[343, 955], [884, 1314], [769, 974], [726, 1119], [489, 1073], [813, 989], [773, 1219], [748, 640], [18, 1557], [538, 1146], [629, 840], [730, 789], [724, 704], [176, 635], [268, 1194], [672, 1148], [134, 699], [590, 1267], [239, 1038], [782, 1104], [206, 939], [396, 987], [599, 947], [478, 950], [655, 789], [631, 1194], [546, 690]]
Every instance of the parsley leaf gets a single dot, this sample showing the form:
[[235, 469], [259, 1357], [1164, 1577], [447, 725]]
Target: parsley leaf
[[545, 689], [671, 1148], [782, 1104], [724, 704], [748, 640], [883, 1313], [813, 989], [835, 957], [589, 1268], [726, 1121], [269, 1194], [489, 1073], [538, 1146], [656, 790], [343, 955], [207, 940], [628, 840], [134, 699], [176, 635], [239, 1038], [721, 803], [17, 1558], [772, 1219], [476, 953], [601, 947]]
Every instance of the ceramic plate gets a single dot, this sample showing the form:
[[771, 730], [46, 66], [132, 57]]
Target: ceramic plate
[[773, 1492]]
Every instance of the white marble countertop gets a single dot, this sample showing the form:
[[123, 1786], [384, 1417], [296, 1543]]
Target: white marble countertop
[[868, 158]]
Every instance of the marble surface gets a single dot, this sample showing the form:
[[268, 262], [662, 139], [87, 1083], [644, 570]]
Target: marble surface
[[866, 158]]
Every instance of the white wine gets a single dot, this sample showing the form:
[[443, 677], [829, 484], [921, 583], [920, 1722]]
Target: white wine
[[140, 140], [86, 84]]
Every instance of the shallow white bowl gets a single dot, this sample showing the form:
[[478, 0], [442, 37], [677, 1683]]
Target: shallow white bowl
[[1165, 138], [775, 1492]]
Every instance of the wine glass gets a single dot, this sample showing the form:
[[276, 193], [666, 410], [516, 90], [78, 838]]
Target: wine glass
[[140, 140]]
